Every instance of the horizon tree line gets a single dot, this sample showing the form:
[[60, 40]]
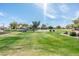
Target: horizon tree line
[[34, 26]]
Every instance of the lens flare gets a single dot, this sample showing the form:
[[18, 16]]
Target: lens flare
[[45, 11]]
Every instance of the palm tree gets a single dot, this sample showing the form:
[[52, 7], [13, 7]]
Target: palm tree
[[35, 25]]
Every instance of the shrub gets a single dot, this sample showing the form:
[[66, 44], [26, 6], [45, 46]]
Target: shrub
[[66, 32], [50, 30], [72, 33], [53, 30]]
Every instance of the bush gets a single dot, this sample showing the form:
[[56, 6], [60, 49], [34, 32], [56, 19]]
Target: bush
[[50, 30], [53, 30], [72, 33], [66, 32]]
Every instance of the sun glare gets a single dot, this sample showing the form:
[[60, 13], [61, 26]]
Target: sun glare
[[45, 11]]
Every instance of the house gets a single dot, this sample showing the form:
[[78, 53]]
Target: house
[[1, 29], [22, 29]]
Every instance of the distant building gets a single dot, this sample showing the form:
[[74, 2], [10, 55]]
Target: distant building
[[1, 29], [22, 29]]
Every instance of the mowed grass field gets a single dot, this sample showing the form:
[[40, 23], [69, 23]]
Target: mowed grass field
[[38, 44]]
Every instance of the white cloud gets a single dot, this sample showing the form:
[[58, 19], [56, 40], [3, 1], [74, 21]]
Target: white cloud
[[47, 12], [76, 15], [64, 8], [50, 16], [1, 14], [67, 17]]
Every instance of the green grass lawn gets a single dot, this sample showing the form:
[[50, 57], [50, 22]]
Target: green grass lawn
[[38, 43]]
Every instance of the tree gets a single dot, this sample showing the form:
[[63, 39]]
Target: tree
[[76, 21], [50, 27], [58, 27], [35, 25], [22, 25], [70, 26], [76, 26], [13, 25]]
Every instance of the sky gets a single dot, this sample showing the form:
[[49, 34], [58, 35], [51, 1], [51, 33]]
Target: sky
[[53, 14]]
